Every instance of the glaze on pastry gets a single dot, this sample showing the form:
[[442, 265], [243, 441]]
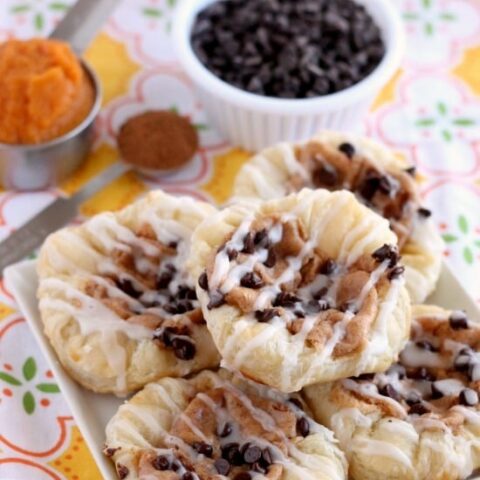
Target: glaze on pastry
[[116, 301], [378, 178], [302, 289], [420, 420], [210, 427]]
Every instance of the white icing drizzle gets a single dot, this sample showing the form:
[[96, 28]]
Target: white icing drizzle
[[378, 448]]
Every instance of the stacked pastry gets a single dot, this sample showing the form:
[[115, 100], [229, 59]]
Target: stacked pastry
[[274, 338]]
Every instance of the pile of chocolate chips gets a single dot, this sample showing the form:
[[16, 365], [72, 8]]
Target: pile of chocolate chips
[[288, 48]]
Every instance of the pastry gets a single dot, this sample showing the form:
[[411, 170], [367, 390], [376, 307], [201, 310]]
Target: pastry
[[378, 178], [117, 303], [301, 289], [420, 420], [210, 427]]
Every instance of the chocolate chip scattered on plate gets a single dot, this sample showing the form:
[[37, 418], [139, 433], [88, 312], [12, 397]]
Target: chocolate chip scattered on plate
[[288, 48]]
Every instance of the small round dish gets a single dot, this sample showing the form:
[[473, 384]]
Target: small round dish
[[35, 167], [254, 121]]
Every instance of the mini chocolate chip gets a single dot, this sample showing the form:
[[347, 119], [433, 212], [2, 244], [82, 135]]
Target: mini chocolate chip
[[365, 376], [325, 176], [348, 149], [320, 293], [248, 244], [299, 313], [165, 335], [173, 244], [369, 187], [267, 457], [468, 397], [161, 463], [203, 448], [424, 212], [425, 345], [422, 374], [303, 427], [222, 466], [176, 465], [171, 267], [458, 320], [252, 454], [126, 286], [436, 392], [387, 252], [242, 476], [385, 184], [286, 300], [109, 452], [189, 476], [265, 315], [316, 306], [183, 349], [413, 398], [164, 279], [122, 471], [252, 280], [260, 237], [411, 171], [217, 299], [232, 254], [328, 267], [462, 362], [389, 391], [396, 272], [203, 281], [349, 306], [186, 293], [231, 452], [418, 409], [271, 258], [225, 431]]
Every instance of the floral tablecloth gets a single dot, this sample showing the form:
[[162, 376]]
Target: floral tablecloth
[[429, 113]]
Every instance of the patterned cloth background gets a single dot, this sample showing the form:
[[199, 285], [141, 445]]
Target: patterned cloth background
[[429, 112]]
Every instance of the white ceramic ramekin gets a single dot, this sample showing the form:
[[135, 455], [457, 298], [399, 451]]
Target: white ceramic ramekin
[[254, 121]]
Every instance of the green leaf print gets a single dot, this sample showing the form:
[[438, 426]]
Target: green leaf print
[[410, 16], [425, 122], [152, 12], [448, 16], [38, 21], [28, 403], [464, 122], [449, 238], [29, 368], [447, 136], [429, 28], [463, 224], [477, 243], [58, 6], [427, 3], [9, 379], [171, 3], [20, 8], [442, 108], [48, 388], [468, 255]]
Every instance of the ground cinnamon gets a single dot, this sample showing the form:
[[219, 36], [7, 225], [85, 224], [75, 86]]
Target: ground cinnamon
[[158, 140]]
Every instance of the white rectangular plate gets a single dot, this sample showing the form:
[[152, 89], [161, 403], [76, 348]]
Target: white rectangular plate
[[92, 411]]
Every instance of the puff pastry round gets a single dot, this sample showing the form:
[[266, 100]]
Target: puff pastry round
[[301, 289], [379, 179], [210, 427], [117, 303], [420, 420]]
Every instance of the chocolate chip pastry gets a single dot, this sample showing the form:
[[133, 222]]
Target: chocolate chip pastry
[[378, 178], [211, 427], [304, 289], [421, 418], [117, 303]]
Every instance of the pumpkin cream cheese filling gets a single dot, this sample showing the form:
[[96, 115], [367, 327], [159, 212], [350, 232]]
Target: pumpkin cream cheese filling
[[270, 271], [436, 382], [390, 194], [226, 432]]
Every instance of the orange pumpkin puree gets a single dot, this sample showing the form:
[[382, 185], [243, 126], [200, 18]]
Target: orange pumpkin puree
[[44, 91]]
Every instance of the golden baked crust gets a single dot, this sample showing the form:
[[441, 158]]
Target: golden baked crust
[[115, 298], [380, 180], [213, 424], [302, 289], [420, 420]]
